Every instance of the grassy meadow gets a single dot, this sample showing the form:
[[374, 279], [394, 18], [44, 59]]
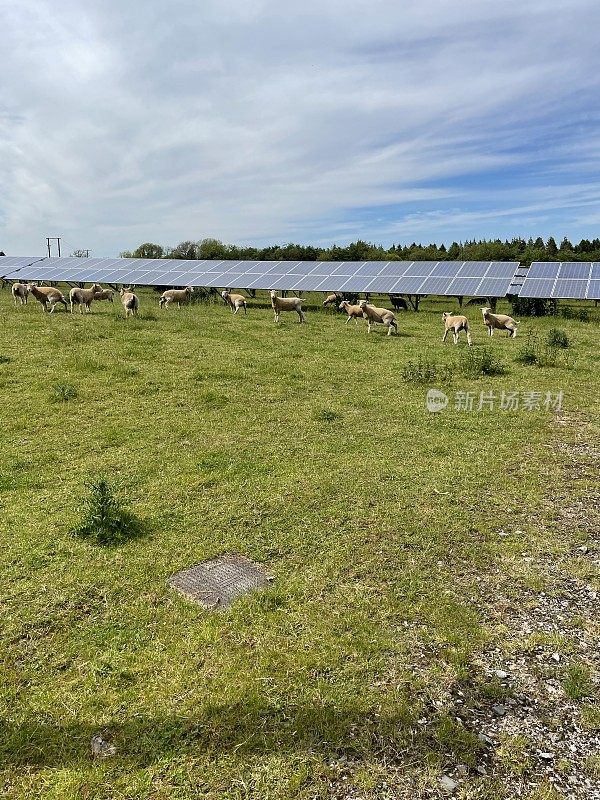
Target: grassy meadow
[[309, 449]]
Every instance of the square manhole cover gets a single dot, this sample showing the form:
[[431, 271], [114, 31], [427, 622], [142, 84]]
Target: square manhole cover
[[216, 583]]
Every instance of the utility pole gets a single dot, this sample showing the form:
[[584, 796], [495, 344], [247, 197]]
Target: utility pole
[[53, 239]]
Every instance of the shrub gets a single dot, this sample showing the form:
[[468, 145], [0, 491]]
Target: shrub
[[63, 392], [104, 520], [543, 354], [581, 314], [557, 338], [578, 682], [533, 307], [474, 362]]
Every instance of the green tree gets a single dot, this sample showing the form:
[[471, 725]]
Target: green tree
[[551, 248]]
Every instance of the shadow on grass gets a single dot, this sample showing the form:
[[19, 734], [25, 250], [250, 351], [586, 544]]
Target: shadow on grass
[[244, 729]]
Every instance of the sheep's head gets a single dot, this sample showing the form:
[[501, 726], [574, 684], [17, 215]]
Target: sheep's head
[[224, 294], [343, 304], [363, 304], [189, 290], [485, 311], [273, 293], [446, 314]]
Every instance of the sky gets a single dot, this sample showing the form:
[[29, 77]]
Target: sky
[[259, 122]]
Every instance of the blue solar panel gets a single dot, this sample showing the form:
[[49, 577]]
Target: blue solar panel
[[358, 283], [575, 271], [543, 270], [436, 285], [446, 269], [309, 283], [502, 269], [537, 287], [595, 274], [594, 290], [474, 269], [395, 269], [493, 287], [420, 269], [408, 284], [570, 289]]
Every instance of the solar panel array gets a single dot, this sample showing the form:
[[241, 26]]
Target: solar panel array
[[562, 280], [454, 278]]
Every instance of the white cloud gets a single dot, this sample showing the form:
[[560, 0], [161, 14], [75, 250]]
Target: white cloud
[[264, 121]]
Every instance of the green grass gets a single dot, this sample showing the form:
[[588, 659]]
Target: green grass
[[301, 447]]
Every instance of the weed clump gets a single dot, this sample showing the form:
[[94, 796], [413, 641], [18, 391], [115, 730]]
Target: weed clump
[[104, 519], [63, 392], [425, 371], [557, 338], [475, 362]]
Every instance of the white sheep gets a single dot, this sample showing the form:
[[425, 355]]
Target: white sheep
[[20, 293], [456, 324], [104, 294], [375, 315], [354, 312], [47, 296], [83, 297], [234, 301], [130, 301], [287, 304], [178, 296], [331, 299], [500, 321]]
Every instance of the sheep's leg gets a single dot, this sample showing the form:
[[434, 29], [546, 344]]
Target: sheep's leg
[[455, 337], [469, 340], [369, 326], [445, 335]]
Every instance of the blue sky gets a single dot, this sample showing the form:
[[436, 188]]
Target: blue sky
[[322, 122]]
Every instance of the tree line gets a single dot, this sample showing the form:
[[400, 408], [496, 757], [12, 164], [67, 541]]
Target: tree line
[[517, 249]]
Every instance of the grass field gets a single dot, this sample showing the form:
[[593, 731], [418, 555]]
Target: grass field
[[309, 449]]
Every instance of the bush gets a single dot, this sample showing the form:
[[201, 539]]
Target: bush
[[581, 314], [533, 307], [474, 362], [104, 519], [557, 338], [543, 354]]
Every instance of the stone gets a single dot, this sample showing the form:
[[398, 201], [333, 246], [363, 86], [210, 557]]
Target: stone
[[448, 784]]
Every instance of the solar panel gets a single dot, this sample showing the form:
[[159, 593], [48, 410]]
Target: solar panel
[[575, 271], [308, 283], [474, 269], [570, 280], [492, 287], [593, 292], [464, 286], [436, 285], [408, 284]]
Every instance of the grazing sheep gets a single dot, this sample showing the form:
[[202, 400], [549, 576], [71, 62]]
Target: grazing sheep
[[83, 297], [178, 296], [104, 294], [20, 292], [332, 299], [130, 301], [375, 315], [287, 304], [47, 295], [456, 324], [398, 302], [234, 301], [500, 321], [354, 312]]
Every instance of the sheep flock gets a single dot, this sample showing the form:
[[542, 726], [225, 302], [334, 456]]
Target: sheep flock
[[49, 297]]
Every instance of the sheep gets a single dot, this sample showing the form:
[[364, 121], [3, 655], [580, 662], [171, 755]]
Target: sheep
[[235, 301], [178, 296], [354, 312], [47, 295], [287, 304], [331, 299], [456, 324], [104, 294], [20, 292], [130, 301], [374, 315], [398, 302], [500, 321], [83, 297]]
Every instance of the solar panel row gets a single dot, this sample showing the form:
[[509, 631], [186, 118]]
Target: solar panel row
[[576, 280], [473, 278]]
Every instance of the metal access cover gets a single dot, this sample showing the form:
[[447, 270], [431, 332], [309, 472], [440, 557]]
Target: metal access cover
[[216, 583]]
